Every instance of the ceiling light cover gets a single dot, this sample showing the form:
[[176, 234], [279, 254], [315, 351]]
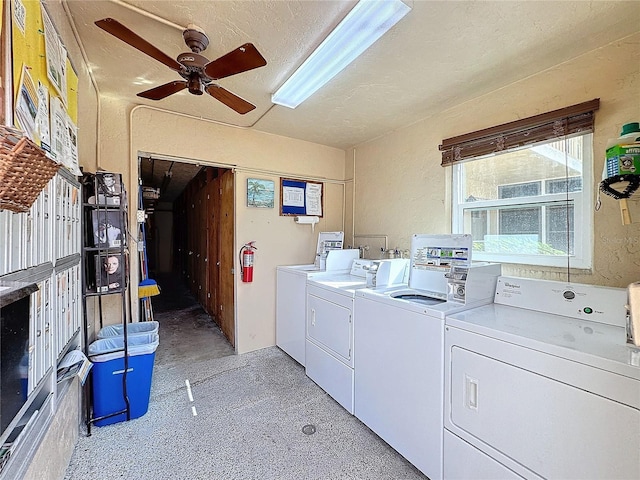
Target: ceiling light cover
[[366, 23]]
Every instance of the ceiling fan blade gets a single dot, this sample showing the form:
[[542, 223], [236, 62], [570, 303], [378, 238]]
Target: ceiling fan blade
[[158, 93], [243, 58], [229, 99], [118, 30]]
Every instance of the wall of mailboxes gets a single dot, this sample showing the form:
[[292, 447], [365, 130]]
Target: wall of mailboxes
[[43, 246]]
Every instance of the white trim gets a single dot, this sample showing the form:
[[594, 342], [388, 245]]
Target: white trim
[[583, 217]]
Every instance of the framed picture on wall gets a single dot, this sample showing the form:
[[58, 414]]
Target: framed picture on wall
[[260, 193]]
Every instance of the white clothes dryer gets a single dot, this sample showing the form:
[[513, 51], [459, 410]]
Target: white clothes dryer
[[329, 334], [542, 384]]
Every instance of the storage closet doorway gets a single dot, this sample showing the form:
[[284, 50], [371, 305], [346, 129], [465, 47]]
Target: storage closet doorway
[[190, 231]]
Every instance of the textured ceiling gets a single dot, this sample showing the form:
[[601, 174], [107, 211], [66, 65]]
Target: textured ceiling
[[442, 53]]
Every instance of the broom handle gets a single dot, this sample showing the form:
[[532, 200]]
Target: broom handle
[[143, 252], [146, 302]]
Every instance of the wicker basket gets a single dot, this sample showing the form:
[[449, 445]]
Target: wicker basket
[[24, 170]]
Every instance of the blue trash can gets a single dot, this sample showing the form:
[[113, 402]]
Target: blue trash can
[[108, 367], [132, 329]]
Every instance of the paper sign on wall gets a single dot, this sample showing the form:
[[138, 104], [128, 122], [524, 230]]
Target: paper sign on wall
[[300, 197]]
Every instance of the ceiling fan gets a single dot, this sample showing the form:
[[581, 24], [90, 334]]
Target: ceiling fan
[[198, 72]]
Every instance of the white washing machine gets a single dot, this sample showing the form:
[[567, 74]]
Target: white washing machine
[[329, 341], [398, 344], [542, 384], [291, 291]]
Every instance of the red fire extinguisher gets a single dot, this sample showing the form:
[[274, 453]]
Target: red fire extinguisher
[[246, 261]]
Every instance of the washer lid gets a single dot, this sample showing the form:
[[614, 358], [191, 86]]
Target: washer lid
[[591, 343], [342, 283]]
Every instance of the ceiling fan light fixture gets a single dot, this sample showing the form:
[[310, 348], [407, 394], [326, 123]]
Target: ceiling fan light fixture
[[365, 23], [195, 85]]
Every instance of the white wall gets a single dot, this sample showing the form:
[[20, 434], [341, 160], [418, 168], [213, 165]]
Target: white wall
[[280, 242], [401, 189], [127, 131]]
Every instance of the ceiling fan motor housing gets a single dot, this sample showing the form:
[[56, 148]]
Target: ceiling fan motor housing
[[193, 63], [195, 39]]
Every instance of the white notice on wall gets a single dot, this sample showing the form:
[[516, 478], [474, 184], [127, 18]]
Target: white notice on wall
[[26, 108], [19, 15], [58, 126], [314, 199], [72, 141], [56, 57], [293, 197], [42, 118]]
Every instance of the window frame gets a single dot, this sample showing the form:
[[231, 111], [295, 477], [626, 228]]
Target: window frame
[[582, 220]]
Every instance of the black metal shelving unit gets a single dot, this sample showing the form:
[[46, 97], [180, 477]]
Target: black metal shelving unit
[[105, 236]]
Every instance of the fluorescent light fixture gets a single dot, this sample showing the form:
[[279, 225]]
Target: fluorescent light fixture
[[366, 23]]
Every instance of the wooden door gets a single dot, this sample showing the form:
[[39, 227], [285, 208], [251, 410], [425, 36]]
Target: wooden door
[[213, 188], [192, 219], [180, 237], [226, 256], [201, 248]]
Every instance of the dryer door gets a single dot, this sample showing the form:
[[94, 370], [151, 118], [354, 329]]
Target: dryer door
[[552, 428], [329, 326]]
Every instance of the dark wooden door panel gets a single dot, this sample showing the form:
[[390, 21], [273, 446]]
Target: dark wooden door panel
[[212, 247], [207, 217], [201, 252], [226, 256]]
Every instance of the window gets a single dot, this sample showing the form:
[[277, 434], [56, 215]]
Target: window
[[523, 190], [520, 209]]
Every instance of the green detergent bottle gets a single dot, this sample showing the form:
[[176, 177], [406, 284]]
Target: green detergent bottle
[[623, 153]]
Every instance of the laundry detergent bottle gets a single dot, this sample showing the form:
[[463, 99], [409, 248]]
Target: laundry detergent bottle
[[623, 153], [621, 171]]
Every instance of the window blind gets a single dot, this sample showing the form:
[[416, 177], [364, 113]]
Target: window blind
[[527, 131]]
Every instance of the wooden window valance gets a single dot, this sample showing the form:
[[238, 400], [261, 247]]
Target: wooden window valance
[[527, 131]]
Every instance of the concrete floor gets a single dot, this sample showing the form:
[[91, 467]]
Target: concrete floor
[[245, 420]]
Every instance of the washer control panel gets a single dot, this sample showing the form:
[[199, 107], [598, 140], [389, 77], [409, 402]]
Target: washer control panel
[[575, 300], [472, 283]]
